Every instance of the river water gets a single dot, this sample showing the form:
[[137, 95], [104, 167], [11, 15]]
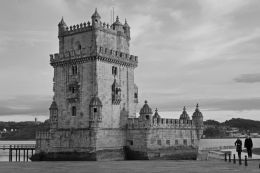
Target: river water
[[204, 143]]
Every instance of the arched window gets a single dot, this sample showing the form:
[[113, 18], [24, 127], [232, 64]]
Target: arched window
[[79, 47], [74, 70], [74, 111], [114, 70]]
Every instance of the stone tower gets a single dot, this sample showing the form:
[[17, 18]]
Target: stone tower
[[94, 62], [93, 81]]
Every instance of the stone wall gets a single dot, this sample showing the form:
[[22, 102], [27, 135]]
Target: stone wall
[[82, 40], [62, 80], [105, 79], [112, 41]]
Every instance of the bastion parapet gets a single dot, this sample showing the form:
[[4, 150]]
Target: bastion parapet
[[134, 123]]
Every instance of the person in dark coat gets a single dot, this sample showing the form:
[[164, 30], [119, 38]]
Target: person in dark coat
[[238, 145], [248, 145]]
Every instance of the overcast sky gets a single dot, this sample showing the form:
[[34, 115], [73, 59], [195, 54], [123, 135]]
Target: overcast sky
[[190, 51]]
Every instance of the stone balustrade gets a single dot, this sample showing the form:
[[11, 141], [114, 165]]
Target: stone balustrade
[[43, 135], [85, 27], [159, 123]]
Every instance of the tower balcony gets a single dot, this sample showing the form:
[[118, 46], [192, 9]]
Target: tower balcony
[[101, 54]]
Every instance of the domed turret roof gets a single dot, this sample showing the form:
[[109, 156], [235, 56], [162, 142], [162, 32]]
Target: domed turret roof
[[184, 115], [146, 109], [197, 112], [117, 22], [156, 115], [53, 105], [126, 24], [95, 14], [95, 101]]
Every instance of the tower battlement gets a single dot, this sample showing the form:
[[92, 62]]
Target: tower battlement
[[86, 27], [101, 53], [115, 28]]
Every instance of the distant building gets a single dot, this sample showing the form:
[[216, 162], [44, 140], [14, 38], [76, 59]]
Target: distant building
[[93, 113], [233, 132]]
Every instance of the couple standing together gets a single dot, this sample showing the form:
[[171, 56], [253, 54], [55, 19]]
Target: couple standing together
[[248, 144]]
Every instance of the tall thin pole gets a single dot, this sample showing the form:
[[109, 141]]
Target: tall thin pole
[[24, 155], [113, 15], [27, 157], [19, 158]]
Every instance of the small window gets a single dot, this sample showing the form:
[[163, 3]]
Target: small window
[[136, 95], [147, 117], [114, 70], [130, 142], [159, 142], [176, 142], [74, 70], [73, 89], [184, 141], [74, 111], [95, 110], [168, 142]]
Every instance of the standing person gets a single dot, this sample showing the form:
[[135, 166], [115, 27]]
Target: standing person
[[238, 145], [248, 145]]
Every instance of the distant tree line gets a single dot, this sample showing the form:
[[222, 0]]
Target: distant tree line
[[215, 129], [21, 130]]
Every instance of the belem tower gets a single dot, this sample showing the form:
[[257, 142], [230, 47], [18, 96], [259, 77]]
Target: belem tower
[[93, 112]]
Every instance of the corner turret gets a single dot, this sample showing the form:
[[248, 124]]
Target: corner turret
[[127, 29], [146, 112], [53, 115], [62, 26], [95, 18], [156, 115], [117, 25], [95, 109], [197, 119], [184, 115]]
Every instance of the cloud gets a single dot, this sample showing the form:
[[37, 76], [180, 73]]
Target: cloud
[[188, 50], [208, 104], [248, 78]]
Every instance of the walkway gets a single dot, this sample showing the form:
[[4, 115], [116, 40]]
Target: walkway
[[212, 166]]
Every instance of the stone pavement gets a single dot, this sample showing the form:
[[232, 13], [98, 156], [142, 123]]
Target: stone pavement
[[212, 166]]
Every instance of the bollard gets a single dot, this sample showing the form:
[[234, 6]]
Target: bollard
[[245, 160], [229, 157], [234, 159], [240, 162], [259, 165], [226, 157]]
